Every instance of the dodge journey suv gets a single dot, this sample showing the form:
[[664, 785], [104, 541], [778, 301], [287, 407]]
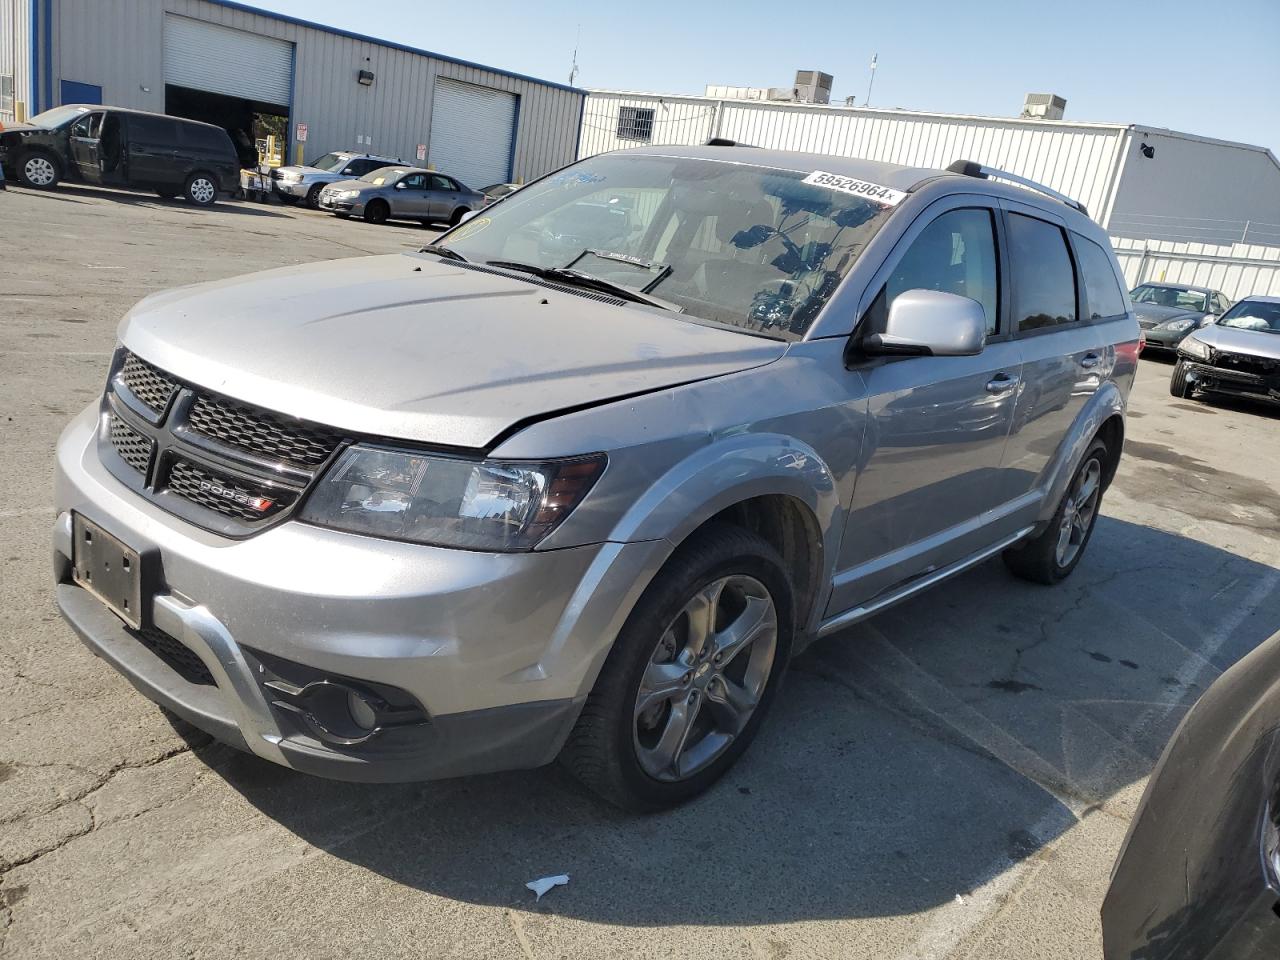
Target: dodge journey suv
[[512, 498]]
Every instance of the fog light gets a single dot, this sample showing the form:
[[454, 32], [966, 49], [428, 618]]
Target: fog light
[[362, 711]]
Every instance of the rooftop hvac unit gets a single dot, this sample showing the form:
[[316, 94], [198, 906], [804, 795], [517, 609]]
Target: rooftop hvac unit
[[813, 86], [1044, 106]]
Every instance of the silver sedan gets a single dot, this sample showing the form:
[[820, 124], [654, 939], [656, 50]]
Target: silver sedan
[[401, 193]]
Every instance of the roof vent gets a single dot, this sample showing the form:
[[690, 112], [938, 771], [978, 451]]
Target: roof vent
[[1044, 106]]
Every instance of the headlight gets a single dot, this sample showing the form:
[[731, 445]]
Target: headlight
[[449, 502], [1195, 348], [291, 176], [1177, 326]]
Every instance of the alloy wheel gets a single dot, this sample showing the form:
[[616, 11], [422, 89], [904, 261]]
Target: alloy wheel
[[201, 191], [39, 171], [1078, 513], [705, 678]]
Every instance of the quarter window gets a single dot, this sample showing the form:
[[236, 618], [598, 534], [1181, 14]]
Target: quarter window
[[1103, 293], [635, 123], [954, 254], [1043, 282]]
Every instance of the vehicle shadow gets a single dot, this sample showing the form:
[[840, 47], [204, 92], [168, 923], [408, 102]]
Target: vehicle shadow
[[79, 193], [911, 758]]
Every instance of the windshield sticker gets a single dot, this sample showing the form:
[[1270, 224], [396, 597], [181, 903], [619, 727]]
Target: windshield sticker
[[470, 228], [569, 179], [379, 181], [858, 188]]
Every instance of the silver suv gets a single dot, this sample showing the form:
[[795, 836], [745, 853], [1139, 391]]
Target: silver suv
[[304, 182], [579, 479]]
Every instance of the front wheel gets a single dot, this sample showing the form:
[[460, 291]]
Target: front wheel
[[1053, 554], [201, 190], [39, 170], [313, 196], [376, 211], [1179, 385], [691, 675]]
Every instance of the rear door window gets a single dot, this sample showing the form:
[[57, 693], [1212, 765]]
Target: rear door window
[[441, 183], [205, 139], [1043, 278], [1102, 293], [155, 131]]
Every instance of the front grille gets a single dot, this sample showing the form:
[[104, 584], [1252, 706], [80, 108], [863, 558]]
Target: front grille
[[1244, 363], [176, 654], [266, 434], [133, 447], [147, 383], [224, 495]]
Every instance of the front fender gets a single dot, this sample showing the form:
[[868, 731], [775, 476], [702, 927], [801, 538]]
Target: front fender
[[1106, 403]]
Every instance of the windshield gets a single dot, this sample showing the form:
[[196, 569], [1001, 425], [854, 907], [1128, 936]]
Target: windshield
[[1260, 315], [1171, 297], [752, 247], [57, 117], [330, 161], [383, 175]]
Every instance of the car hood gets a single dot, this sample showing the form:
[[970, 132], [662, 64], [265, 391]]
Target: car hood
[[306, 171], [411, 347], [24, 128], [350, 185], [1153, 314], [1236, 340]]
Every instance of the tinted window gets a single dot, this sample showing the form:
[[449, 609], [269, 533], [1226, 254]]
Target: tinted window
[[441, 183], [158, 130], [415, 181], [358, 168], [209, 139], [955, 254], [1102, 292], [1044, 281]]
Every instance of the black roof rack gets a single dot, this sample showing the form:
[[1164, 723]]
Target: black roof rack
[[968, 168]]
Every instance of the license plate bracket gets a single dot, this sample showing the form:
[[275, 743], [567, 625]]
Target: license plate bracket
[[109, 569]]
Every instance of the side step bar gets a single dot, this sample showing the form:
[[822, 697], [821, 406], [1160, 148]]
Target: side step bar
[[912, 587], [967, 168]]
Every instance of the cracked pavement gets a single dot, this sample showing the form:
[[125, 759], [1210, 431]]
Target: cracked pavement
[[951, 779]]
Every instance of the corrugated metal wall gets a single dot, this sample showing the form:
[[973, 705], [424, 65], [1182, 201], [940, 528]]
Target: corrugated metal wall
[[1236, 269], [118, 44], [1076, 159], [15, 51]]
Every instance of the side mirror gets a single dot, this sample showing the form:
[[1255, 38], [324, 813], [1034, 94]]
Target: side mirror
[[1207, 321], [929, 323], [401, 186]]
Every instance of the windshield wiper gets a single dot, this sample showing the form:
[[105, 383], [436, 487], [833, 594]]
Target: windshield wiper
[[441, 251], [574, 278]]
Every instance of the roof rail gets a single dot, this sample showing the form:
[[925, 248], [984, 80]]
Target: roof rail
[[968, 168]]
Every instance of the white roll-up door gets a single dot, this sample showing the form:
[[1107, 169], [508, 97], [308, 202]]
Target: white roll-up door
[[208, 56], [472, 130]]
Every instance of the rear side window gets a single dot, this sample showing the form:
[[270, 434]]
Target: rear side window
[[156, 130], [954, 254], [1103, 294], [209, 139], [1044, 280]]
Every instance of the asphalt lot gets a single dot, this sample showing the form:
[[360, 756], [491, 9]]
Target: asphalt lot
[[951, 779]]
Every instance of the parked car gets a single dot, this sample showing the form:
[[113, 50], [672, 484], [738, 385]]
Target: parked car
[[480, 506], [496, 191], [401, 193], [1167, 312], [295, 183], [1198, 875], [1238, 353], [114, 147]]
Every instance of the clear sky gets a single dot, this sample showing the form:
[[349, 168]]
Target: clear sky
[[1210, 68]]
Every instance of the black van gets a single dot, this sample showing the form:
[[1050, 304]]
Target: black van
[[114, 147]]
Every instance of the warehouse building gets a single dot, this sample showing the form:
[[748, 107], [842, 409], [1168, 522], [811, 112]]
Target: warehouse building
[[260, 74], [1138, 182]]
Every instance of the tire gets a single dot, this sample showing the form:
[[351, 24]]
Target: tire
[[631, 753], [201, 190], [39, 170], [313, 196], [457, 215], [1179, 385], [1051, 556], [376, 211]]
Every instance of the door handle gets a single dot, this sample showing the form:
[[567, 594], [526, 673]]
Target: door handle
[[1090, 360], [1002, 382]]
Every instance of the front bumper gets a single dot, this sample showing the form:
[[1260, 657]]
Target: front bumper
[[1223, 380], [291, 188], [338, 206], [499, 650]]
